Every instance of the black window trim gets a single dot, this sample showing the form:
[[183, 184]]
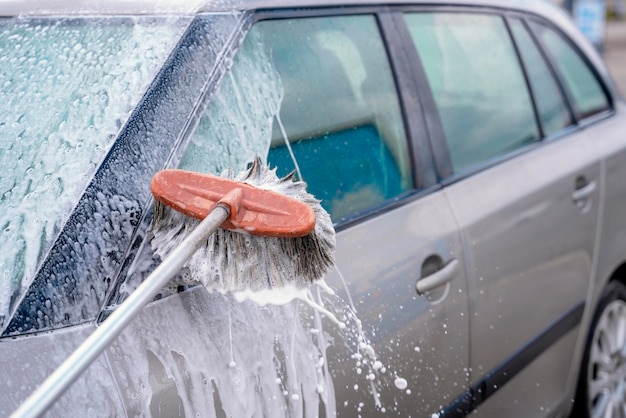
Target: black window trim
[[417, 129], [429, 111]]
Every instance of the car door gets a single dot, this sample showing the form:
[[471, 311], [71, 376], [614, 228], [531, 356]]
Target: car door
[[318, 96], [524, 187]]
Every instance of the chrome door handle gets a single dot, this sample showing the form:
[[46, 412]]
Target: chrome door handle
[[584, 192], [438, 278]]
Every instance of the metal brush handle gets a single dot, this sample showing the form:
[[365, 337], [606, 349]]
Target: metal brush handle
[[58, 382]]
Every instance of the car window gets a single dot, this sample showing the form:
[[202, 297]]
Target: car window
[[586, 91], [553, 112], [68, 85], [478, 85], [314, 95]]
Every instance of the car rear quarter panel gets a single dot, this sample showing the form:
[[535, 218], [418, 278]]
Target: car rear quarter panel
[[609, 137]]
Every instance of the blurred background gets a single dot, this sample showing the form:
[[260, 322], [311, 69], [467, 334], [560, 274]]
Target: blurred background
[[604, 24], [614, 51]]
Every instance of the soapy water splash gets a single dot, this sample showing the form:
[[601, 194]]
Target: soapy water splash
[[367, 365], [241, 354]]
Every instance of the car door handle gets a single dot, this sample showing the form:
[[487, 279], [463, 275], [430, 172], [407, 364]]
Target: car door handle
[[584, 192], [438, 278]]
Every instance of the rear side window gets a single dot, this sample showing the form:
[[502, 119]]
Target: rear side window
[[584, 87], [319, 96], [477, 82], [553, 112]]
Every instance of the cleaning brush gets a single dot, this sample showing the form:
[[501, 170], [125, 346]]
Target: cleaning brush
[[234, 261]]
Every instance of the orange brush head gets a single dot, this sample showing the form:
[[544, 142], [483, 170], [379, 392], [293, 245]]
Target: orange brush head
[[252, 210]]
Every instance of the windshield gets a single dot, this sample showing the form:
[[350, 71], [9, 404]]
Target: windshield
[[68, 86]]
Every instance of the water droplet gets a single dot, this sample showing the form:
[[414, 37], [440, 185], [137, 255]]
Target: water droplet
[[400, 383]]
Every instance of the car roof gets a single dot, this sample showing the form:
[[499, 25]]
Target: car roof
[[123, 7], [150, 7], [97, 7]]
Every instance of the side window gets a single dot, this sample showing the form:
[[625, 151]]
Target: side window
[[553, 112], [477, 82], [586, 91], [314, 95]]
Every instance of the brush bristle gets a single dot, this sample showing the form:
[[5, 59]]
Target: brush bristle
[[233, 261]]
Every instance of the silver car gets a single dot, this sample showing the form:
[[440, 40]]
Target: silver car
[[471, 154]]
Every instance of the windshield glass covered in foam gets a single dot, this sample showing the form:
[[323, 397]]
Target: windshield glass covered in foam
[[68, 85]]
